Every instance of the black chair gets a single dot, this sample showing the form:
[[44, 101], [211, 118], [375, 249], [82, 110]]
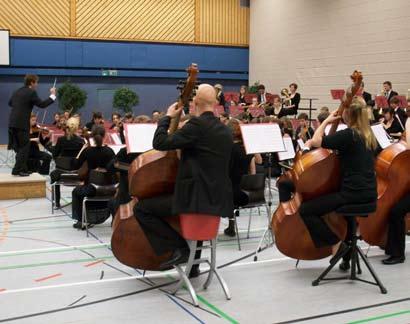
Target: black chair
[[350, 212], [106, 186], [254, 187]]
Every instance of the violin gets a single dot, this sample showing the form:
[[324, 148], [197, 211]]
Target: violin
[[314, 174], [151, 174]]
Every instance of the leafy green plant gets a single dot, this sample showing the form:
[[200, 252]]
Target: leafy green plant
[[71, 97], [124, 99], [254, 87]]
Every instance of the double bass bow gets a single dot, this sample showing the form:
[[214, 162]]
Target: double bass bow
[[151, 174], [314, 173]]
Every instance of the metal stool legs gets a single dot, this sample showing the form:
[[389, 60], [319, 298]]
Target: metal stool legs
[[355, 251], [184, 280]]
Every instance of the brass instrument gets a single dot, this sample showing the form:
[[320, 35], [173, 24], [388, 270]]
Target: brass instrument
[[287, 99]]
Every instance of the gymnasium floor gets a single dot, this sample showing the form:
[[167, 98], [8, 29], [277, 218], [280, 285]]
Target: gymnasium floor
[[52, 273]]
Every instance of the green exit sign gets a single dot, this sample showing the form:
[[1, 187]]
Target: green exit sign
[[109, 72]]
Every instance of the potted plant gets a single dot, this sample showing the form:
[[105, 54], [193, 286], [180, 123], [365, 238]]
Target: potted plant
[[71, 97], [124, 99]]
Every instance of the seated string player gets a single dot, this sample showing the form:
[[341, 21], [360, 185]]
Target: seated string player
[[396, 238], [97, 119], [116, 122], [392, 124], [38, 161], [98, 156], [322, 116], [304, 131], [399, 113], [56, 119], [68, 145], [240, 164], [241, 97]]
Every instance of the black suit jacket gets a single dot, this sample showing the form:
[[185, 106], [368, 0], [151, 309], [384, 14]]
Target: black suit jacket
[[22, 102], [203, 184], [368, 98], [391, 95]]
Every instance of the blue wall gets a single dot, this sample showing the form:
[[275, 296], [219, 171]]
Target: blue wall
[[152, 70]]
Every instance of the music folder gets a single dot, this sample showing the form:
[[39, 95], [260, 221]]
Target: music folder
[[262, 138], [381, 135], [381, 102], [139, 137], [289, 152], [337, 94]]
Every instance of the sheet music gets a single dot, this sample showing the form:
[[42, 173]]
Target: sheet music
[[381, 135], [116, 148], [138, 137], [290, 150], [301, 144], [92, 141], [339, 128], [116, 138], [262, 138]]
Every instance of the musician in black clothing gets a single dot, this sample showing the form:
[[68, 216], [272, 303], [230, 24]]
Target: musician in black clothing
[[98, 156], [241, 98], [240, 164], [22, 102], [38, 161], [391, 123], [355, 146], [220, 96], [304, 131], [400, 114], [388, 92], [96, 120], [202, 184], [292, 108], [68, 146]]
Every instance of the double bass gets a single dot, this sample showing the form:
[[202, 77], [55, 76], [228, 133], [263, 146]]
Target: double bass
[[151, 174], [314, 174]]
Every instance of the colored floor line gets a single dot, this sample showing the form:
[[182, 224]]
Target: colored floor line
[[41, 264], [2, 289], [6, 224], [48, 277], [93, 263], [376, 318]]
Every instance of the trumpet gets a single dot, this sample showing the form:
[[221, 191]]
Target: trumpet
[[285, 93]]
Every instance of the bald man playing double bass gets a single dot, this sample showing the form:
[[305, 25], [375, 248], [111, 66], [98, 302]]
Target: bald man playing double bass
[[202, 185]]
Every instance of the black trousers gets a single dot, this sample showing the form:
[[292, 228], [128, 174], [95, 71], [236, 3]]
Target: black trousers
[[19, 141], [312, 213], [396, 237], [78, 195], [151, 214], [42, 160]]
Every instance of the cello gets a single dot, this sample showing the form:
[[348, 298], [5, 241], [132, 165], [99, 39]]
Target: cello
[[151, 174], [314, 173]]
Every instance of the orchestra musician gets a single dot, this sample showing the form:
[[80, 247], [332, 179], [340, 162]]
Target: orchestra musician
[[396, 237], [22, 102], [68, 145], [399, 113], [116, 121], [261, 94], [202, 185], [240, 164], [304, 131], [97, 119], [355, 145], [276, 109], [56, 119], [387, 91], [292, 108], [38, 161], [220, 97], [98, 156], [392, 124], [241, 98]]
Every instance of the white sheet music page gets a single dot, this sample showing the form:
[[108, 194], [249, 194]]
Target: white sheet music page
[[116, 148], [262, 138], [381, 135], [339, 128], [290, 150], [116, 138], [138, 137], [301, 144]]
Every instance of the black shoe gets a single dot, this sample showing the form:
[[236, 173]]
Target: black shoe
[[57, 205], [393, 260], [21, 174], [81, 226], [341, 251], [177, 257], [230, 231], [195, 272], [344, 266]]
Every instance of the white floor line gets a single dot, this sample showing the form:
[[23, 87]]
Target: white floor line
[[54, 249]]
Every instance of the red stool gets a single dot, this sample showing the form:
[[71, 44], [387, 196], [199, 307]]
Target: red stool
[[194, 228]]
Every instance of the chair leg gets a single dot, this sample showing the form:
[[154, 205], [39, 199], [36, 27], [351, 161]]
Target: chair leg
[[53, 195], [184, 274], [84, 216], [371, 270], [236, 228], [249, 222], [212, 265], [184, 280]]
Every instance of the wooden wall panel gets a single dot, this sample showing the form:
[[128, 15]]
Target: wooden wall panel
[[216, 22], [223, 22], [36, 18], [171, 20]]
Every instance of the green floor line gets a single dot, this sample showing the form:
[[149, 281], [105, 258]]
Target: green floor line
[[42, 264], [376, 318], [22, 224], [211, 306], [35, 229], [55, 251]]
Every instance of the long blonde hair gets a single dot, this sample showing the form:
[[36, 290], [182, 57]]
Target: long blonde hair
[[359, 121], [71, 127]]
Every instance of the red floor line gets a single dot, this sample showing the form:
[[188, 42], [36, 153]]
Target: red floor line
[[93, 263], [48, 277], [2, 289]]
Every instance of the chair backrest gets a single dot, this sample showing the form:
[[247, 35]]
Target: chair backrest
[[199, 227], [253, 182], [65, 162], [101, 177]]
